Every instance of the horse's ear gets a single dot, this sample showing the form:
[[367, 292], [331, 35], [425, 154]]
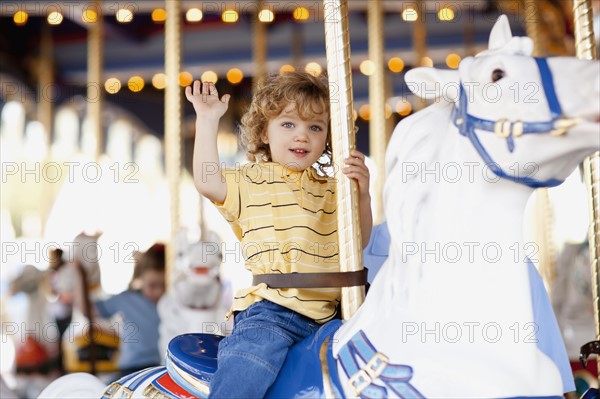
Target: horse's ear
[[430, 83], [501, 34]]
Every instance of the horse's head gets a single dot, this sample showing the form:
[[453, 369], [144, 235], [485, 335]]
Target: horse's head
[[84, 253], [197, 283], [511, 106]]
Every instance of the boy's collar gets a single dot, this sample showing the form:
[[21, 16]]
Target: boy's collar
[[285, 171]]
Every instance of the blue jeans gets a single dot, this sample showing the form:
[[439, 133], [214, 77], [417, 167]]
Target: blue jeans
[[251, 357]]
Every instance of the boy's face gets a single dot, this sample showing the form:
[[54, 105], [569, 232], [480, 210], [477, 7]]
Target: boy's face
[[153, 285], [296, 143]]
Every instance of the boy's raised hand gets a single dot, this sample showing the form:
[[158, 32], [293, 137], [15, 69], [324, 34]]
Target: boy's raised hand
[[205, 99]]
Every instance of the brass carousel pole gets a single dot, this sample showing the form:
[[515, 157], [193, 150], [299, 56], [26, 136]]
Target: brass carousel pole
[[586, 49], [377, 124], [543, 217], [533, 28], [46, 80], [95, 62], [173, 111], [259, 48], [337, 40], [419, 46]]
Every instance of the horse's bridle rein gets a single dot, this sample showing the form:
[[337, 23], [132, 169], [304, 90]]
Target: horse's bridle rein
[[504, 128]]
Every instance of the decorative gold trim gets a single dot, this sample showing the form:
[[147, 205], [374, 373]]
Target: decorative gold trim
[[562, 126], [517, 129], [111, 390], [359, 381], [372, 370], [126, 393], [502, 128], [327, 388], [376, 365], [151, 392]]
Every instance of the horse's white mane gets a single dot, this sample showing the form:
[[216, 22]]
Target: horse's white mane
[[407, 154]]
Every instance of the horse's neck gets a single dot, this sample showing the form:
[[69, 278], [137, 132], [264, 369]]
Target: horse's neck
[[476, 207]]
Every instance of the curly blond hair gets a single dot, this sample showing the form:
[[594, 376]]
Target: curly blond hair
[[309, 93]]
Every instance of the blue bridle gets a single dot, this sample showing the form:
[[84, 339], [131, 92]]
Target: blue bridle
[[505, 128]]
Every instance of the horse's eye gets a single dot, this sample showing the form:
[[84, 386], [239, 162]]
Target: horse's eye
[[497, 75]]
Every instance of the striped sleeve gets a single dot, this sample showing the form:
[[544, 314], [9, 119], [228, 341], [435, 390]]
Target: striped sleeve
[[230, 208]]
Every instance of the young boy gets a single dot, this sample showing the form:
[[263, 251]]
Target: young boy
[[283, 210], [139, 329]]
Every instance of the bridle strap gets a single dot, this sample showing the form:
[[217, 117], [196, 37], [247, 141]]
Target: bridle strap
[[548, 84], [467, 124]]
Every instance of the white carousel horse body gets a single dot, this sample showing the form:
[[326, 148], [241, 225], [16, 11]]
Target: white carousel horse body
[[30, 282], [453, 300], [75, 386], [452, 303]]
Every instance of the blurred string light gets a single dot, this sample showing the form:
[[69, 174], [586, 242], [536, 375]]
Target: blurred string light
[[55, 18], [452, 60], [388, 111], [266, 15], [112, 85], [235, 75], [367, 67], [124, 15], [396, 64], [365, 112], [135, 83], [300, 14], [194, 15], [313, 68], [403, 107], [20, 18], [229, 16], [446, 14], [89, 16], [286, 68], [409, 14], [185, 78], [159, 81], [209, 76], [426, 62], [159, 15]]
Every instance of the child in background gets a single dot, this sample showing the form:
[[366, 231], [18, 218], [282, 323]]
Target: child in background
[[283, 210], [139, 327]]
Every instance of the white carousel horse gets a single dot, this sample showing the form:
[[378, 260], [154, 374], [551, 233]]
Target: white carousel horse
[[37, 336], [449, 314], [195, 303], [31, 282]]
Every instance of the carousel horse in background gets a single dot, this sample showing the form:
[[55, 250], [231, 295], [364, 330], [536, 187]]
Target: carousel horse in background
[[449, 314], [34, 352], [36, 336], [89, 344], [195, 302]]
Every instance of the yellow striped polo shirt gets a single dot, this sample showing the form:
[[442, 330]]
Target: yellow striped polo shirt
[[286, 222]]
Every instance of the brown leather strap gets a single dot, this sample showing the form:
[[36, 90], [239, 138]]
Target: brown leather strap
[[312, 280]]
